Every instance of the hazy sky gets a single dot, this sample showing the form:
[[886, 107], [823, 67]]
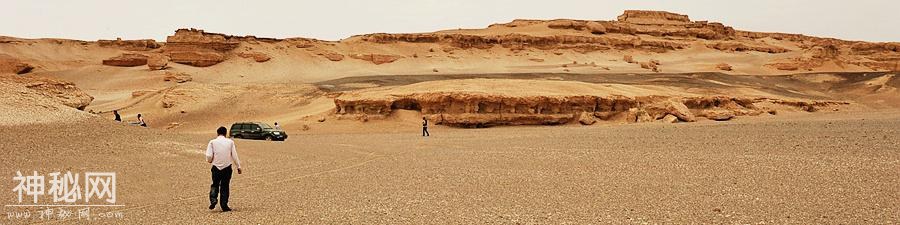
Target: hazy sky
[[870, 20]]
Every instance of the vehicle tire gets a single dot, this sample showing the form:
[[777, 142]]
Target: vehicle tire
[[268, 138], [236, 136]]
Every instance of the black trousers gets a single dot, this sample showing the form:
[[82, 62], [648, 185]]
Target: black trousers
[[220, 181], [425, 131]]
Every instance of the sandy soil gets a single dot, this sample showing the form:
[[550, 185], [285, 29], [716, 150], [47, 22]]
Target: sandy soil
[[828, 168]]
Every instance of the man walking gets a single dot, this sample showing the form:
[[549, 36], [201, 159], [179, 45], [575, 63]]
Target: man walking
[[221, 153], [425, 127]]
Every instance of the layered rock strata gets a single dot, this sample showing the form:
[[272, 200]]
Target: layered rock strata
[[483, 110]]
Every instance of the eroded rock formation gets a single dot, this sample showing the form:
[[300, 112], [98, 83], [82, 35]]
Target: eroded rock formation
[[628, 59], [581, 44], [652, 65], [198, 48], [653, 17], [130, 45], [198, 39], [652, 23], [482, 110], [333, 56], [126, 60], [741, 47], [9, 64], [637, 32], [723, 66], [60, 91], [157, 62], [718, 114], [177, 77], [378, 59], [256, 56], [879, 56], [631, 23], [200, 58], [657, 31]]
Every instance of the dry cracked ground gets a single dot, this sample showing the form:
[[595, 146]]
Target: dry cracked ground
[[830, 168]]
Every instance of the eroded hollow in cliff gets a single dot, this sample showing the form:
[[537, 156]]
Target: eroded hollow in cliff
[[406, 103]]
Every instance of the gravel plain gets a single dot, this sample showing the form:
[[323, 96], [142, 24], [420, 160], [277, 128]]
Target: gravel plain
[[827, 168]]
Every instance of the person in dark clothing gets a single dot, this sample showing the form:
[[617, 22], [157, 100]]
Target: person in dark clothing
[[425, 127], [141, 121], [118, 117]]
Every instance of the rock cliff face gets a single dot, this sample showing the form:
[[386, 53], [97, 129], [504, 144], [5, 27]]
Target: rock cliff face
[[653, 17], [198, 48], [200, 58], [818, 55], [740, 47], [131, 45], [193, 39], [522, 41], [483, 110], [881, 56]]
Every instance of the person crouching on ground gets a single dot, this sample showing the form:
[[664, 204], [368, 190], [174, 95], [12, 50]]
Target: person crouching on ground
[[141, 121], [221, 153]]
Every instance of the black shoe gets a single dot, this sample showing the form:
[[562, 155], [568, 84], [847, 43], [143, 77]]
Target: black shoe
[[212, 206], [226, 209]]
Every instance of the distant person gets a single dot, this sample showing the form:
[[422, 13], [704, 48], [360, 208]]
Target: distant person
[[141, 121], [425, 127], [221, 153], [118, 117], [277, 127]]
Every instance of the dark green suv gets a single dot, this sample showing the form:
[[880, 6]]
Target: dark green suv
[[257, 130]]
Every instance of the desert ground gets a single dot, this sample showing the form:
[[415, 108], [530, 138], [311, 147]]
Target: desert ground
[[648, 118], [832, 168]]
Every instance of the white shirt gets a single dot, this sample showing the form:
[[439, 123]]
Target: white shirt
[[222, 152]]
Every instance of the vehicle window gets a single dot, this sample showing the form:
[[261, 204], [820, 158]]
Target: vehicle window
[[265, 126], [242, 127], [235, 127]]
